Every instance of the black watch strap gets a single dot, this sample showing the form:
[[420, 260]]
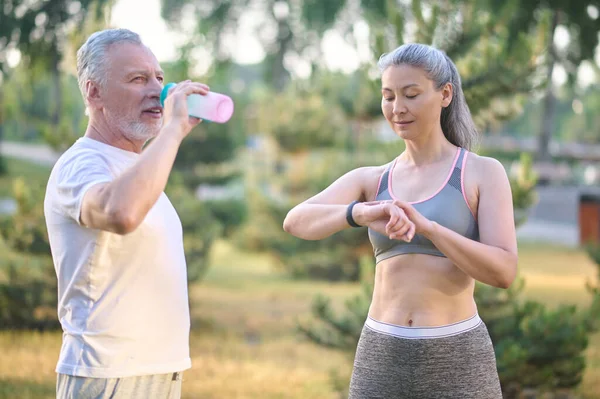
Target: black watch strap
[[349, 217]]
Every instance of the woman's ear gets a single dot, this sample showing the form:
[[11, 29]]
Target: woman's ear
[[447, 93]]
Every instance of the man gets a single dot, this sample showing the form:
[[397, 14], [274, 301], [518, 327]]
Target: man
[[116, 240]]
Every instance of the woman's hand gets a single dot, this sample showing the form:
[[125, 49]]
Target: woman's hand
[[385, 218], [423, 226]]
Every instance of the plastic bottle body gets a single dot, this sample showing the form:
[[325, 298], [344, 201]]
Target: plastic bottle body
[[214, 107]]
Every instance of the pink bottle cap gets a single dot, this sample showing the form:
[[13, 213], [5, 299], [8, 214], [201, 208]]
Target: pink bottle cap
[[224, 110]]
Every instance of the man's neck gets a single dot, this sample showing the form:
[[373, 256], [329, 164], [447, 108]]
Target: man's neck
[[99, 131]]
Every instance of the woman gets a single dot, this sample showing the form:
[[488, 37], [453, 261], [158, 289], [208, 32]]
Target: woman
[[439, 217]]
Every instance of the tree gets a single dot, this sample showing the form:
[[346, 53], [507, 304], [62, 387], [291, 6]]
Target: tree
[[38, 30], [289, 29], [583, 28]]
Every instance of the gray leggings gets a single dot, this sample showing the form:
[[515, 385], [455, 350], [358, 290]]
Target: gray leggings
[[450, 362]]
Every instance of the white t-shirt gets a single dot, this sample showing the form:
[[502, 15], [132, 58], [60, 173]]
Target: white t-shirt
[[122, 299]]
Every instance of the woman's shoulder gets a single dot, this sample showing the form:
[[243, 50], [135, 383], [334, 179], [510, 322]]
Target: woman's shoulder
[[369, 172], [484, 167], [370, 179]]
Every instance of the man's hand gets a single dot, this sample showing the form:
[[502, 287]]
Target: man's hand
[[175, 111]]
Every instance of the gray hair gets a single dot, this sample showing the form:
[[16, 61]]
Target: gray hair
[[91, 56], [456, 120]]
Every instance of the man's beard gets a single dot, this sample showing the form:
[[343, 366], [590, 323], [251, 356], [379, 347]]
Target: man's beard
[[139, 131], [135, 130]]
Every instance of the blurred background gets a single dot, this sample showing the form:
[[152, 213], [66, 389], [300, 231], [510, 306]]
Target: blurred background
[[275, 316]]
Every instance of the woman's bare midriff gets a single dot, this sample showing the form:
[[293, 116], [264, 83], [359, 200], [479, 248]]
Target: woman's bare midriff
[[416, 290]]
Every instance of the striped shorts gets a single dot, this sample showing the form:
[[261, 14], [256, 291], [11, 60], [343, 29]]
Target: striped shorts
[[157, 386]]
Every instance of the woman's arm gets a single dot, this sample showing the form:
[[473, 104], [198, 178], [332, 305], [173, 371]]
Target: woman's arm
[[492, 260], [325, 213]]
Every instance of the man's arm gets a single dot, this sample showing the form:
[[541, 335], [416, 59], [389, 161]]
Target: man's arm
[[121, 205]]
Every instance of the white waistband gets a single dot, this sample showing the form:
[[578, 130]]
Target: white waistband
[[424, 332]]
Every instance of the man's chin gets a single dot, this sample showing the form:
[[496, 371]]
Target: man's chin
[[143, 135]]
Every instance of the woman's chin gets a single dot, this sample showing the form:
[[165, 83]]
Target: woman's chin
[[404, 134]]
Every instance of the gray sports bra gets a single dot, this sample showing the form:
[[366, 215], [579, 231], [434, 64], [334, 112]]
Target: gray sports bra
[[448, 207]]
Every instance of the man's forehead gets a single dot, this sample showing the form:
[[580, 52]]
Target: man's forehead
[[130, 57]]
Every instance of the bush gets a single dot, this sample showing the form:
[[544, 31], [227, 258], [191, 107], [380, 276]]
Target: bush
[[27, 293], [200, 229], [28, 285], [335, 258], [537, 349]]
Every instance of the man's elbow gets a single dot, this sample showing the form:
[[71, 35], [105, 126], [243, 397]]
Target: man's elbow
[[123, 222]]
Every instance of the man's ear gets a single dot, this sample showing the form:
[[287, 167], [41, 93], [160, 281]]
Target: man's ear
[[93, 95], [447, 94]]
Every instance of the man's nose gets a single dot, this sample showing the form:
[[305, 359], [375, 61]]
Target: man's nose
[[155, 87]]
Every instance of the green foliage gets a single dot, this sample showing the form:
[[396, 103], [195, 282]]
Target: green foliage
[[27, 278], [523, 189], [300, 176], [356, 94], [300, 120], [28, 292], [200, 228], [319, 15], [207, 160], [329, 259], [25, 231], [545, 351], [39, 29], [29, 109], [582, 125], [536, 347], [593, 251], [335, 330], [583, 29], [3, 167], [231, 213], [583, 39], [33, 174]]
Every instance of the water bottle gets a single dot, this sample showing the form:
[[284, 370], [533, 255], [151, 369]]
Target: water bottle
[[213, 107]]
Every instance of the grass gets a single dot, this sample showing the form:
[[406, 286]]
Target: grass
[[243, 342], [555, 275]]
